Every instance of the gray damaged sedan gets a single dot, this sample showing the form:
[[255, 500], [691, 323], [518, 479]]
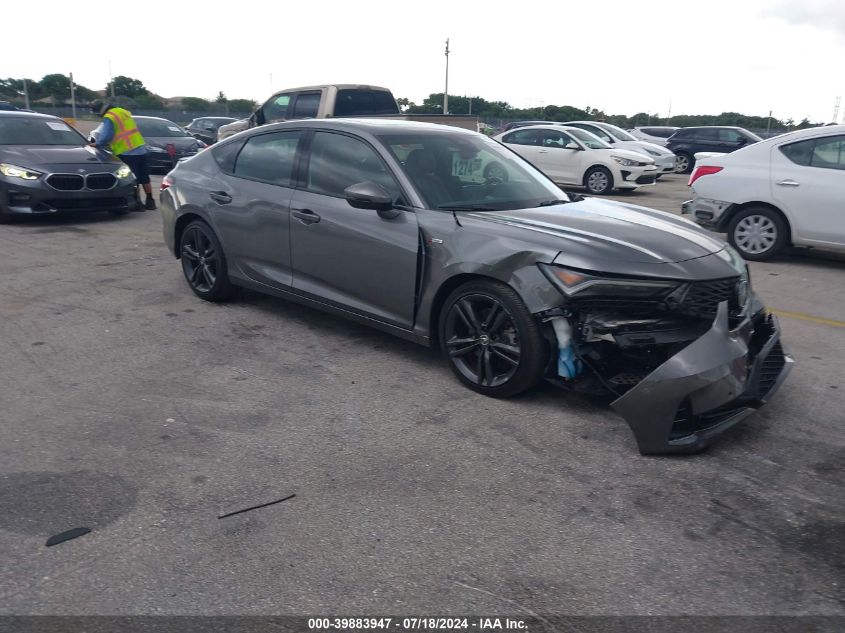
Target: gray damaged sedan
[[445, 237]]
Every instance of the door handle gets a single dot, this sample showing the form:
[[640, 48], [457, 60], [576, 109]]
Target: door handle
[[306, 216], [220, 197], [788, 183], [543, 151]]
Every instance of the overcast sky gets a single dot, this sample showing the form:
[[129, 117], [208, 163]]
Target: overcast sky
[[621, 56]]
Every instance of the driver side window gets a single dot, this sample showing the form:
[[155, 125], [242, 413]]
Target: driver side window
[[557, 140], [275, 110]]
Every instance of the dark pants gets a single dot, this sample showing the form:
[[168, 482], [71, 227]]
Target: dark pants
[[139, 165]]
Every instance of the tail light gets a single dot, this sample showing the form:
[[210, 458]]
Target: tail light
[[703, 170], [166, 182]]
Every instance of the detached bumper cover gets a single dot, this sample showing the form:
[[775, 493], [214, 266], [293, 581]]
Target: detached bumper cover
[[707, 387]]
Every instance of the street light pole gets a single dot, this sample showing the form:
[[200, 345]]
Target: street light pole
[[446, 92], [26, 94], [72, 98], [112, 81]]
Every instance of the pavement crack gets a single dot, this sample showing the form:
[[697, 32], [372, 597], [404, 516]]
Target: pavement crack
[[256, 507]]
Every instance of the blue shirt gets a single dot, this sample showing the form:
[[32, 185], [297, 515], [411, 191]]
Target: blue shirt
[[105, 134]]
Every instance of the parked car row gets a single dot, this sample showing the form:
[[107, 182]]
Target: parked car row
[[771, 194]]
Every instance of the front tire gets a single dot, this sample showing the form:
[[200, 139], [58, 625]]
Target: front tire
[[758, 233], [598, 181], [490, 340], [204, 263]]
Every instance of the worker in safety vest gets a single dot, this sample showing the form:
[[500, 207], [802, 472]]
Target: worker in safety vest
[[119, 134]]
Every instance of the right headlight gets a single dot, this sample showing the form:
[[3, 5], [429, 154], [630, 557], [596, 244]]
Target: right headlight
[[627, 162], [13, 171], [581, 283]]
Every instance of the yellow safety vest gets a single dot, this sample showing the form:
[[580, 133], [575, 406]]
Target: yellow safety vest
[[126, 134]]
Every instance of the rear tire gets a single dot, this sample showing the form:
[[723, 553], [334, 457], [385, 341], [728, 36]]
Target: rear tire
[[490, 340], [598, 181], [758, 233], [684, 163], [204, 263]]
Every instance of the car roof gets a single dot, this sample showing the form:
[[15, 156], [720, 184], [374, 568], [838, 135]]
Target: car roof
[[27, 115], [153, 118], [338, 86], [810, 132], [716, 127], [374, 126]]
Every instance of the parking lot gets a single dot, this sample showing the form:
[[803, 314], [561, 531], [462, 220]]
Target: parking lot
[[131, 407]]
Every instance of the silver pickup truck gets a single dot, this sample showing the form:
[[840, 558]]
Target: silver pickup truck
[[337, 100]]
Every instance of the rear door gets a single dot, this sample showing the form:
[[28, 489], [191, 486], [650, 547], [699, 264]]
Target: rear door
[[808, 181], [250, 206], [352, 258], [306, 105], [527, 143]]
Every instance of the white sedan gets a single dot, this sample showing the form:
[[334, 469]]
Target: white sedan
[[786, 190], [570, 156], [619, 138]]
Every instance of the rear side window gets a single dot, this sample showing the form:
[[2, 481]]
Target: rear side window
[[826, 153], [352, 102], [731, 136], [523, 137], [660, 132], [225, 155], [269, 158], [338, 161], [307, 104], [707, 134]]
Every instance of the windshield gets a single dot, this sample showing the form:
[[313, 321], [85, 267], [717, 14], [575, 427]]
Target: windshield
[[159, 128], [469, 172], [618, 132], [587, 138], [37, 131]]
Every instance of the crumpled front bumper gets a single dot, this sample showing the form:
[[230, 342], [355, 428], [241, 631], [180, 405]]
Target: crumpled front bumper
[[709, 386]]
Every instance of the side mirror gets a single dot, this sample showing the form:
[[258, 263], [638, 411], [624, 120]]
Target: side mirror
[[371, 195], [741, 141], [256, 118], [571, 145]]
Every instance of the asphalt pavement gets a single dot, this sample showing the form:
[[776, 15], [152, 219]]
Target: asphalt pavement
[[131, 407]]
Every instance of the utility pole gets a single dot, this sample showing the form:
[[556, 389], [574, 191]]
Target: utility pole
[[470, 105], [111, 77], [72, 98], [26, 94], [769, 124], [836, 109], [271, 83], [669, 115], [446, 92]]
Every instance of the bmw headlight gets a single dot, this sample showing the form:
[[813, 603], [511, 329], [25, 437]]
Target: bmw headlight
[[13, 171], [627, 162], [123, 172], [581, 283]]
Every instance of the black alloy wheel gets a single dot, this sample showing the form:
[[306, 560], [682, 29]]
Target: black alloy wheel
[[203, 263], [490, 339]]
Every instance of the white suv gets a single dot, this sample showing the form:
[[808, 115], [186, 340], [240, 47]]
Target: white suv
[[619, 138], [787, 190]]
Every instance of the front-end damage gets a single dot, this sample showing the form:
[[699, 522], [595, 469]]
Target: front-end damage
[[682, 364]]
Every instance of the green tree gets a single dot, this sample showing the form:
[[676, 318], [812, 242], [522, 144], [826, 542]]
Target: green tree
[[242, 105], [56, 86], [196, 104], [149, 101], [127, 87]]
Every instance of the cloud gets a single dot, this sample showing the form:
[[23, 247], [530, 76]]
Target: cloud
[[823, 14]]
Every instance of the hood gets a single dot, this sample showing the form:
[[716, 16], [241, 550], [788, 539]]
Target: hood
[[630, 155], [642, 146], [600, 232], [40, 157]]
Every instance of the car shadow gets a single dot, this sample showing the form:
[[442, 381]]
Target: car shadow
[[65, 221]]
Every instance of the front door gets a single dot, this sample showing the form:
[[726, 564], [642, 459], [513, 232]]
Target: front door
[[250, 206], [808, 181], [352, 258], [560, 157]]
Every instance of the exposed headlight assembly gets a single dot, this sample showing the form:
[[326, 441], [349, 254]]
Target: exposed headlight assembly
[[123, 172], [13, 171], [580, 283]]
